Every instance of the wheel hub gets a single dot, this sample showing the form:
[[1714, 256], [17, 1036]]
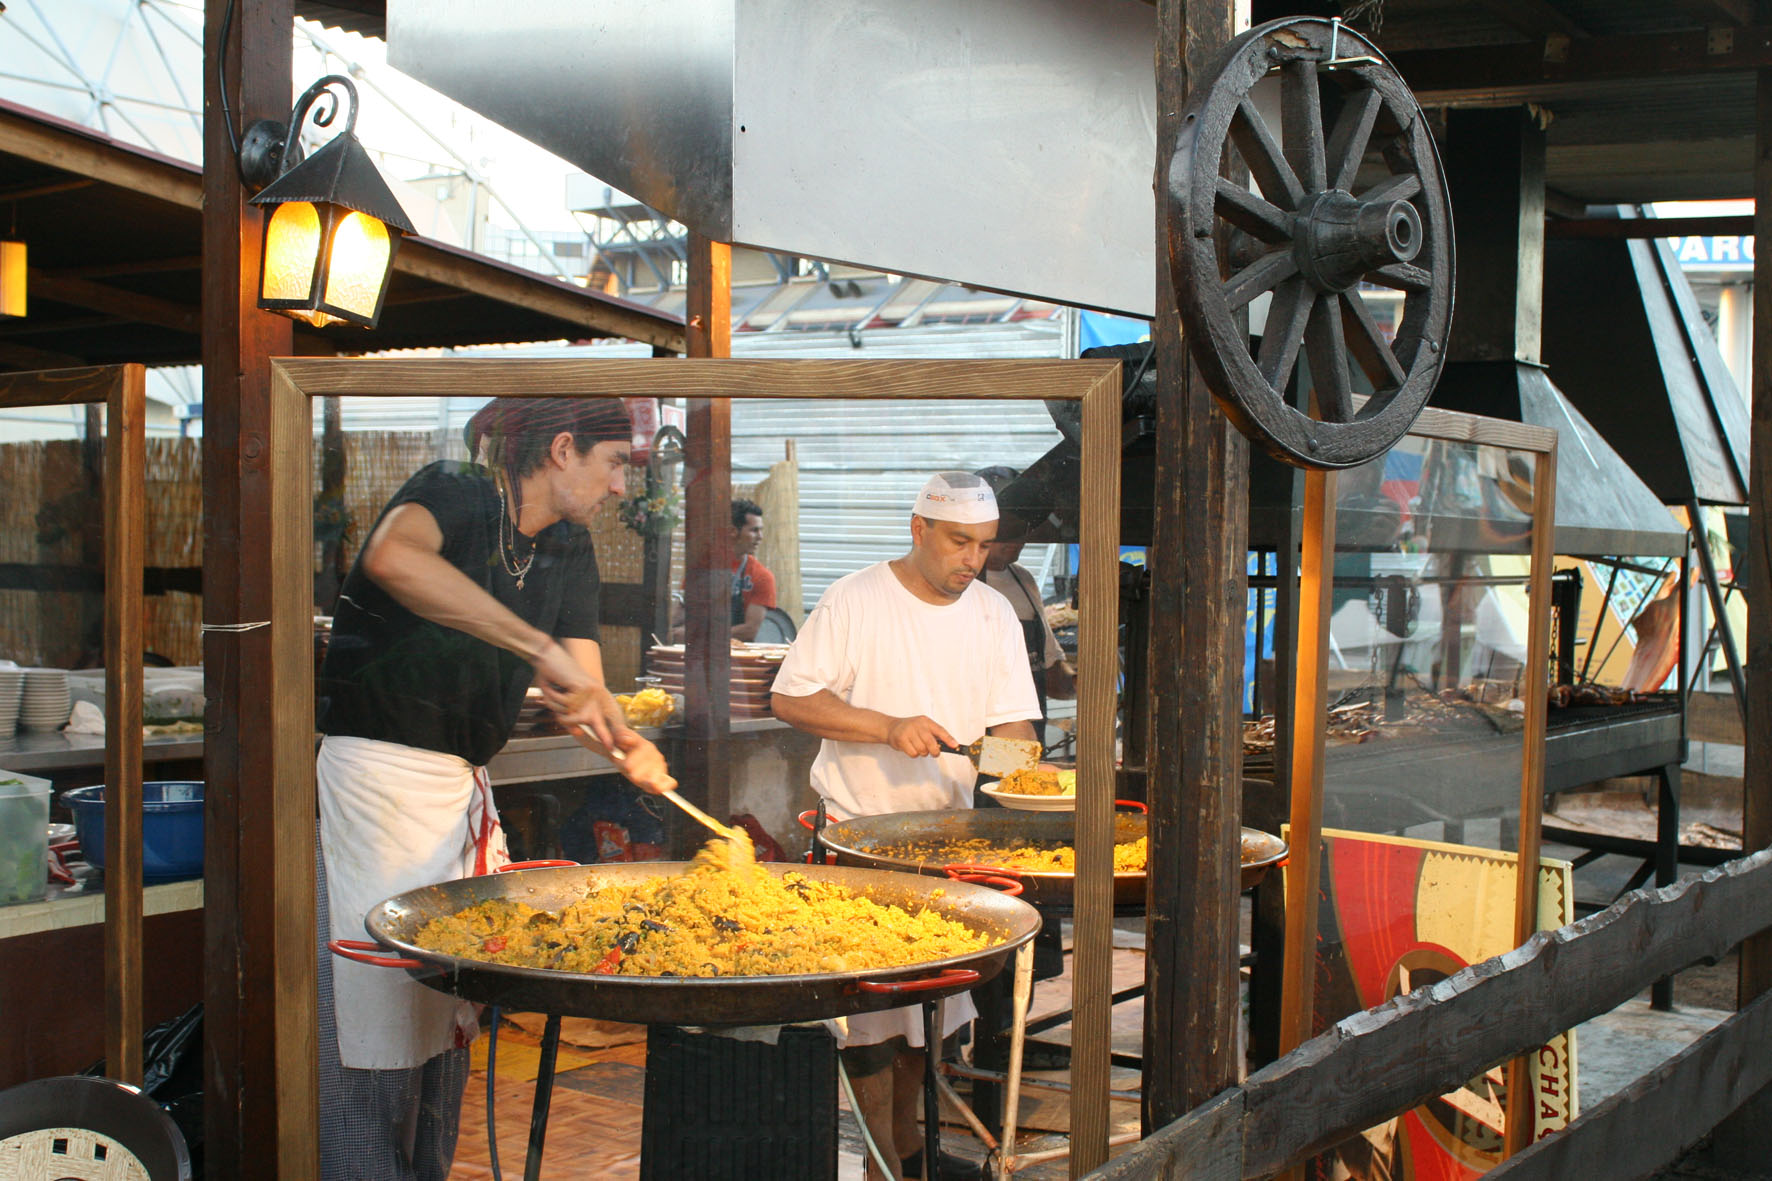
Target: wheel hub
[[1339, 238]]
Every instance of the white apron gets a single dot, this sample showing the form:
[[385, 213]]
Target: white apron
[[394, 818]]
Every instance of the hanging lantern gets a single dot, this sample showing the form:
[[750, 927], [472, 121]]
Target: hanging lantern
[[331, 223], [12, 278]]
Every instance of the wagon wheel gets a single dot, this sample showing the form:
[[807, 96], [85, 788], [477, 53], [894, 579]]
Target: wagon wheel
[[1350, 192]]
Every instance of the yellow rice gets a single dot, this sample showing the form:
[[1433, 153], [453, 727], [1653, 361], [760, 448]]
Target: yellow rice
[[722, 917]]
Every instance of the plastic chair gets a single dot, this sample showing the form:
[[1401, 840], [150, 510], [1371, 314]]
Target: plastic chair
[[88, 1129]]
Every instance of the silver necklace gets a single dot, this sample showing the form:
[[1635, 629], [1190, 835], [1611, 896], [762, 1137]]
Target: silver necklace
[[507, 542]]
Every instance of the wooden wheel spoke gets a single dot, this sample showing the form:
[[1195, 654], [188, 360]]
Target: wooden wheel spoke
[[1302, 109], [1286, 319], [1368, 345], [1402, 276], [1327, 348], [1347, 143], [1402, 187], [1264, 274], [1248, 212], [1267, 163]]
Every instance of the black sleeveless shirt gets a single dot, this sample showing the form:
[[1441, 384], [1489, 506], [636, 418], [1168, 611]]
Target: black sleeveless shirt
[[394, 676]]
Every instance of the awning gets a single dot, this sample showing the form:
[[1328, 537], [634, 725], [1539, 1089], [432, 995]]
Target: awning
[[116, 274]]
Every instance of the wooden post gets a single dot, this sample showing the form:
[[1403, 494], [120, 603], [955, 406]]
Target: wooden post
[[1309, 706], [1521, 1103], [259, 1001], [125, 464], [1198, 591], [1756, 953], [707, 566], [331, 517]]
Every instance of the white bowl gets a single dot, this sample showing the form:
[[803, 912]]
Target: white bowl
[[1027, 803]]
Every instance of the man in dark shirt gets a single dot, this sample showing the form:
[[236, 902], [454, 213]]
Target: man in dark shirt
[[478, 579]]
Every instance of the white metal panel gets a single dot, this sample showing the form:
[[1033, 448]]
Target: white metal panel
[[1005, 144]]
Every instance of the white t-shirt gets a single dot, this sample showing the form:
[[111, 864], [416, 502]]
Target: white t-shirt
[[877, 646]]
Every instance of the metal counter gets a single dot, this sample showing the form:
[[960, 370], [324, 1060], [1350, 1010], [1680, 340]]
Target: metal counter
[[524, 759]]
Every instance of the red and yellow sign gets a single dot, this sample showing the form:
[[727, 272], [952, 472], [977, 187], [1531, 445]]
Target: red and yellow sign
[[1398, 914]]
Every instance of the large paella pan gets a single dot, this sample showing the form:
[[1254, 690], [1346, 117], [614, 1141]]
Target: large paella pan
[[680, 1000], [878, 842]]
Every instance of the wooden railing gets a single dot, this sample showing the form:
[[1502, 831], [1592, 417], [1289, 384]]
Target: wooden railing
[[1379, 1063]]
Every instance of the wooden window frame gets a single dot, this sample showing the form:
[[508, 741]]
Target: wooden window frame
[[1096, 384], [122, 390]]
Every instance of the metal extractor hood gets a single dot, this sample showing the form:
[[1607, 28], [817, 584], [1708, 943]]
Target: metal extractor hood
[[1624, 335], [1603, 509], [1005, 144]]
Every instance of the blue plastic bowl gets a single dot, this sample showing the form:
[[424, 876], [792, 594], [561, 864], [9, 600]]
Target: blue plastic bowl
[[172, 827]]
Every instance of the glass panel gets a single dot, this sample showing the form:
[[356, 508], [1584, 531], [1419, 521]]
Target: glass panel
[[1428, 644], [358, 265], [824, 490], [1427, 681], [292, 247]]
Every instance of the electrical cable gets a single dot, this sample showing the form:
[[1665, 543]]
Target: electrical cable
[[221, 87], [491, 1076], [855, 1110]]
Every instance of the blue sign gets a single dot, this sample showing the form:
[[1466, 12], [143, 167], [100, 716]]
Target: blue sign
[[1098, 328], [1724, 253]]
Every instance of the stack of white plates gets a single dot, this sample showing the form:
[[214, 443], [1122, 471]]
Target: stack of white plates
[[45, 703], [12, 689]]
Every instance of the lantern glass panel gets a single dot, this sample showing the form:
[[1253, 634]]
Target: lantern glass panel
[[12, 278], [292, 250], [359, 264]]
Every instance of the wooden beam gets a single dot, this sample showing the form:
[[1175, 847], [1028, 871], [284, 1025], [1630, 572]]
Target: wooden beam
[[23, 356], [1535, 18], [142, 266], [27, 192], [259, 1021], [1736, 12], [596, 315], [1652, 1122], [1441, 75], [1756, 954], [85, 153], [126, 305], [64, 386], [1198, 573], [1377, 1064], [36, 328], [1649, 227], [707, 566]]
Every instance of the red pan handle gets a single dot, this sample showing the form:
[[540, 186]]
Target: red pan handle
[[949, 978], [1002, 885], [1134, 804], [806, 819], [532, 865], [354, 949]]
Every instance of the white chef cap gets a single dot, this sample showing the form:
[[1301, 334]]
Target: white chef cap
[[960, 497]]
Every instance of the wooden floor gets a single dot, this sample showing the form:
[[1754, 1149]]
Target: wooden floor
[[594, 1119]]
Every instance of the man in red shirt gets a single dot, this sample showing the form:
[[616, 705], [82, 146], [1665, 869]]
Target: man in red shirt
[[753, 586]]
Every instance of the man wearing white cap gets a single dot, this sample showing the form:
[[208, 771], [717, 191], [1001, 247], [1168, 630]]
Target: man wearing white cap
[[897, 661]]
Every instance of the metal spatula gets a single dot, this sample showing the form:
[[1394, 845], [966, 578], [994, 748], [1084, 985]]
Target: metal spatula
[[731, 834], [999, 756]]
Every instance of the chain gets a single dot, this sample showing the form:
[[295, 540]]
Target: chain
[[507, 541]]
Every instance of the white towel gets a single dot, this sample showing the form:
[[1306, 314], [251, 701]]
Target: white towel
[[394, 818]]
